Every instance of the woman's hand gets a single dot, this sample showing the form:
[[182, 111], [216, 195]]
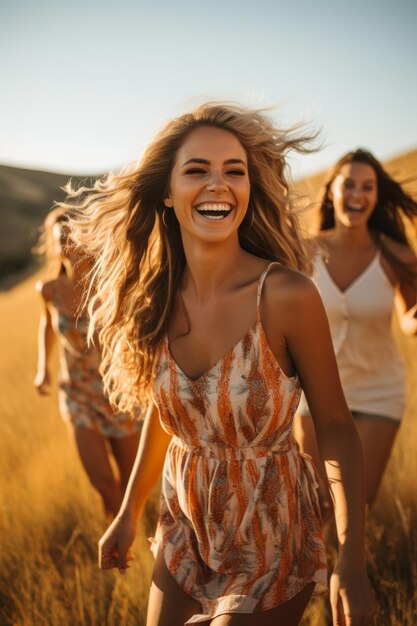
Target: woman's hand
[[351, 597], [116, 541], [42, 383], [114, 546], [408, 321]]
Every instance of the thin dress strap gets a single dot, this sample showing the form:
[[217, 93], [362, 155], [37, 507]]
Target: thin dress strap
[[260, 285]]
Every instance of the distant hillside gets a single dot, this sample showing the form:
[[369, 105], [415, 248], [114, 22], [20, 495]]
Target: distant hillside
[[26, 196]]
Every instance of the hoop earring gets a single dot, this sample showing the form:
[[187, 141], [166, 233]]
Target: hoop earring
[[163, 219]]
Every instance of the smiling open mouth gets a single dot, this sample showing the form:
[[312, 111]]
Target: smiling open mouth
[[354, 209], [214, 211]]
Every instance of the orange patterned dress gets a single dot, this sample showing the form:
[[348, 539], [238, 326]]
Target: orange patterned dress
[[81, 395], [239, 526]]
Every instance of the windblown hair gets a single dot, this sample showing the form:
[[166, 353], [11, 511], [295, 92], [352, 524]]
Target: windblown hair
[[140, 259], [393, 204], [46, 247]]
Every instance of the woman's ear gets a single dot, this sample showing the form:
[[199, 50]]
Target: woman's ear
[[168, 202]]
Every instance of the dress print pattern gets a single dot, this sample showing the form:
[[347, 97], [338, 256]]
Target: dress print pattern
[[81, 394], [239, 527]]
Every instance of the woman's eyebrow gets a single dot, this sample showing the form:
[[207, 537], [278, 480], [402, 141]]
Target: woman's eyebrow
[[206, 162], [365, 180]]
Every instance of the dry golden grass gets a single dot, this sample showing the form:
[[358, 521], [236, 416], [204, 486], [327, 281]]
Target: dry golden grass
[[50, 517]]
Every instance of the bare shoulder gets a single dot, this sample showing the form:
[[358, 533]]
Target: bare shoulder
[[290, 309], [289, 291], [320, 244]]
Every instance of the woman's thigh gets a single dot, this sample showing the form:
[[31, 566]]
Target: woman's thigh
[[124, 451], [168, 605], [287, 614], [94, 455], [377, 436]]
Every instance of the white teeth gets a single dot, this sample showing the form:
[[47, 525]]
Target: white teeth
[[214, 207], [214, 210]]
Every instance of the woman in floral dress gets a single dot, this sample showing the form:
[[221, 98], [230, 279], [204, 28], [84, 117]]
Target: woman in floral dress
[[98, 430], [197, 282]]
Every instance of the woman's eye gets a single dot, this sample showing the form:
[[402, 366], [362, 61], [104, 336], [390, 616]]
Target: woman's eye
[[195, 170], [236, 172]]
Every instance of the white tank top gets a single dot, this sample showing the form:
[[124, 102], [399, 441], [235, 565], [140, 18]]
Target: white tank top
[[371, 368]]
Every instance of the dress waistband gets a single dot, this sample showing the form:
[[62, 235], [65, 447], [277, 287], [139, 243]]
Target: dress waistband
[[225, 453]]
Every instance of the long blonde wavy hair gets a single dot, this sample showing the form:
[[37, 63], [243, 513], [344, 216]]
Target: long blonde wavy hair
[[139, 260]]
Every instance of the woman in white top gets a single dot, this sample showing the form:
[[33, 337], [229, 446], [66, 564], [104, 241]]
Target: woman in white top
[[365, 268]]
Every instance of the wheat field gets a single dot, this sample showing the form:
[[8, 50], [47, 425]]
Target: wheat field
[[51, 519]]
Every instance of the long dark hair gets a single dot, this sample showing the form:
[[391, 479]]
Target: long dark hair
[[392, 206]]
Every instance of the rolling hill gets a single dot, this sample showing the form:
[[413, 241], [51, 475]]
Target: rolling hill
[[27, 195]]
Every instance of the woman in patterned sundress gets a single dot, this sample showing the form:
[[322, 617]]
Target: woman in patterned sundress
[[99, 432], [198, 284]]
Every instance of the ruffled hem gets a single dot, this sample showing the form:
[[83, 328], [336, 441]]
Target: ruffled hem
[[246, 604], [240, 603]]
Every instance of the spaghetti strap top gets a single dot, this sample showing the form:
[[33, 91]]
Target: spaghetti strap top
[[239, 525], [260, 287], [371, 368]]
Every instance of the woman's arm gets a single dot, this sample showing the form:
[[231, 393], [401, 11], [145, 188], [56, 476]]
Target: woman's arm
[[303, 325], [406, 307], [406, 290], [46, 341], [115, 543]]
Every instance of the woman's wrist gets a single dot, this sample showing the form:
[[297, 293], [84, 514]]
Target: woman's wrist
[[130, 512], [349, 557]]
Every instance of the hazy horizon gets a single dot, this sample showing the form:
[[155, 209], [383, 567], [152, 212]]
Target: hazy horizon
[[87, 84]]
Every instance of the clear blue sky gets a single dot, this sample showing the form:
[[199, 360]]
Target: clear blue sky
[[85, 84]]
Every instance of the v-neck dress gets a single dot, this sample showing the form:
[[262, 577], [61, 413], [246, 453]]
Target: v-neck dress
[[371, 368], [81, 395], [239, 527]]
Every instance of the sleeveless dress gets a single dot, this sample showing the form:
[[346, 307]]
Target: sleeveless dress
[[239, 527], [372, 371], [81, 395]]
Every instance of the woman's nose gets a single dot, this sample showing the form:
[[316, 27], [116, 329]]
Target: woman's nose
[[356, 192], [216, 182]]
